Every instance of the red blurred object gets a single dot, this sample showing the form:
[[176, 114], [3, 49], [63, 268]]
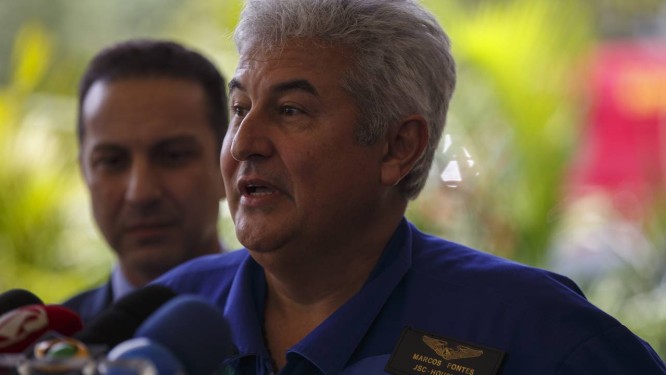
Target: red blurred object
[[21, 327], [624, 149]]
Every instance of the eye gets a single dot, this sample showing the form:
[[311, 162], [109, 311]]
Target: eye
[[175, 157], [110, 162], [238, 110], [290, 111]]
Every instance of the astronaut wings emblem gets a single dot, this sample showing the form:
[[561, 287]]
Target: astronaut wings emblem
[[442, 349]]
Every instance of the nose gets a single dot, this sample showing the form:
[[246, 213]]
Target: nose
[[143, 186], [252, 138]]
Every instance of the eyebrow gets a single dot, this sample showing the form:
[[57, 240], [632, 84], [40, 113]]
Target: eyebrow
[[183, 139], [106, 147], [293, 85], [234, 84]]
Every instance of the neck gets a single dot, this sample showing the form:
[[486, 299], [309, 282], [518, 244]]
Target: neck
[[140, 274], [304, 291], [297, 305]]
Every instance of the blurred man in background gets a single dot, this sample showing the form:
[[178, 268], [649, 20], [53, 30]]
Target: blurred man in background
[[151, 119]]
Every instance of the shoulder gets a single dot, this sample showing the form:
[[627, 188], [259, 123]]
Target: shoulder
[[521, 309], [202, 274], [84, 298], [451, 264], [90, 302], [615, 350]]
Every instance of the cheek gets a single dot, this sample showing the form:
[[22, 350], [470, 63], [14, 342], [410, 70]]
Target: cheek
[[314, 174], [323, 162], [342, 172], [228, 166], [104, 193], [105, 206], [224, 151], [199, 184]]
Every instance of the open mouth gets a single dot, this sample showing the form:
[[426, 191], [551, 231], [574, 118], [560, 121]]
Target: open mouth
[[258, 190]]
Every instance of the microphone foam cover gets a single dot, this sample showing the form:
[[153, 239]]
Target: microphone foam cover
[[15, 298], [194, 330], [21, 327], [119, 321], [142, 348]]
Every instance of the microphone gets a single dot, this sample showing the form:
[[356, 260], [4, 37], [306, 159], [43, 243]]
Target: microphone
[[21, 327], [113, 325], [57, 354], [164, 361], [61, 348], [193, 330], [15, 298], [119, 321]]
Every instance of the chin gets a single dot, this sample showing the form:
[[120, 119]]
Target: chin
[[151, 255], [261, 244], [253, 237], [256, 246]]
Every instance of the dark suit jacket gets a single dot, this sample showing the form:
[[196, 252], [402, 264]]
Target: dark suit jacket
[[90, 303]]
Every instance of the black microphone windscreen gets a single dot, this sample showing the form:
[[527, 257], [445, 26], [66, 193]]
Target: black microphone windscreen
[[119, 321], [144, 301], [15, 298]]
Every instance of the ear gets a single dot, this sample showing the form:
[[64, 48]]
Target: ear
[[405, 145]]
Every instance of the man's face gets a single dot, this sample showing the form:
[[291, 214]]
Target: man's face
[[295, 176], [149, 158]]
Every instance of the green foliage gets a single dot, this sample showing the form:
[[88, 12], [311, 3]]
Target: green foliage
[[32, 51], [516, 115], [35, 179], [634, 289]]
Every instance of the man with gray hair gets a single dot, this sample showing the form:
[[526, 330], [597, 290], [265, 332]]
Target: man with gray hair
[[337, 109]]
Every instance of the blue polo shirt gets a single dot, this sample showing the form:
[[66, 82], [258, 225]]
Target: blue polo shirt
[[435, 305]]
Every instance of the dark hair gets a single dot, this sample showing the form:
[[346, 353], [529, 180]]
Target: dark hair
[[158, 58]]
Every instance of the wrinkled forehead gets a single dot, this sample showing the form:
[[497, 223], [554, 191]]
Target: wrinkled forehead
[[254, 49], [307, 55]]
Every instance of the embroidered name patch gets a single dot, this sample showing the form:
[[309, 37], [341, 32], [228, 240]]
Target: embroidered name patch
[[419, 353]]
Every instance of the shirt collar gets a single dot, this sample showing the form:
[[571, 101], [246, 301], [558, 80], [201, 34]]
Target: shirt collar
[[121, 286], [357, 314], [244, 309]]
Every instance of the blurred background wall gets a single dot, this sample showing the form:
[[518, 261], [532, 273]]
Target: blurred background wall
[[554, 153]]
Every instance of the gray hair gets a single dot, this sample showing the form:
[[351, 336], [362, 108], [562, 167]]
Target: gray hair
[[402, 64]]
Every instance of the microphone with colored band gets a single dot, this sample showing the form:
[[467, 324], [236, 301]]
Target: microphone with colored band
[[58, 355], [115, 324], [21, 327], [61, 348], [15, 298], [161, 358], [119, 321], [193, 330]]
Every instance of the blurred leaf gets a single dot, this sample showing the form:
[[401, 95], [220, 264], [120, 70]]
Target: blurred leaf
[[30, 57], [514, 113]]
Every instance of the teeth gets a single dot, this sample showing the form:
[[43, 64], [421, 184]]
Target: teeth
[[258, 190]]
